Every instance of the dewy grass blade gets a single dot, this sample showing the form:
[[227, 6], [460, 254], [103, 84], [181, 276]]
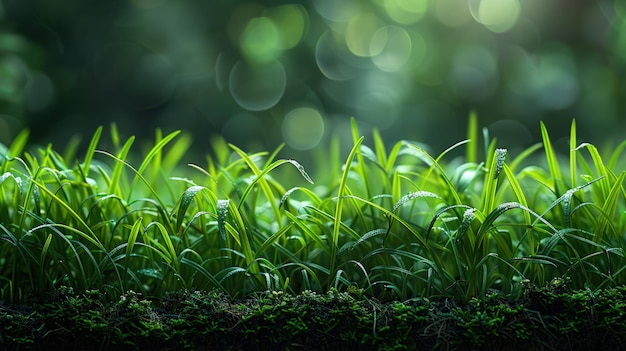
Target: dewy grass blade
[[339, 207], [412, 196], [468, 216], [222, 213], [566, 200], [184, 202], [260, 179], [491, 180]]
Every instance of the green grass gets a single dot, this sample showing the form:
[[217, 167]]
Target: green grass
[[395, 222]]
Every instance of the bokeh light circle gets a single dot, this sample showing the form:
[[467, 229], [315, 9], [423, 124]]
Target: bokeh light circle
[[405, 11], [359, 32], [497, 15], [257, 88], [333, 58], [303, 128], [391, 48], [261, 40], [293, 23]]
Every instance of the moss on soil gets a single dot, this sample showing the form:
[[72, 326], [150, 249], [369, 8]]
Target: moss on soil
[[545, 318]]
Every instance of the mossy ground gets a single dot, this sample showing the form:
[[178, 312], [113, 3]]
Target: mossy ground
[[546, 318]]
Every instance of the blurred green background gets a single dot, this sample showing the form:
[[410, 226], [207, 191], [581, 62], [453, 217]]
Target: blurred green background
[[263, 72]]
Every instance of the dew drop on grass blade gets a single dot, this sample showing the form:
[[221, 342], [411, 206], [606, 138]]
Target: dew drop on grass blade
[[185, 201], [222, 212]]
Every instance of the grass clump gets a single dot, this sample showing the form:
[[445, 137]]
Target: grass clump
[[396, 224]]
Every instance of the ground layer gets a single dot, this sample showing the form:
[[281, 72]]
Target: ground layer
[[546, 318]]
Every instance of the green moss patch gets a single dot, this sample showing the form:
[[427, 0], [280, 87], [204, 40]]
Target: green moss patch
[[547, 318]]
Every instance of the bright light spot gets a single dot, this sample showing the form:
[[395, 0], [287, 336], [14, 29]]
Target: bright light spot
[[359, 33], [257, 88], [261, 40], [303, 128], [390, 48], [497, 15], [293, 22], [405, 11]]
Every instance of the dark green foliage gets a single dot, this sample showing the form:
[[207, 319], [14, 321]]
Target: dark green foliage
[[550, 317]]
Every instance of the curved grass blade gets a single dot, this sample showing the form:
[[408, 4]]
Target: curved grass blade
[[342, 189], [610, 206], [116, 175], [185, 201], [412, 196], [155, 151], [431, 225], [91, 149], [434, 165], [615, 155], [553, 163]]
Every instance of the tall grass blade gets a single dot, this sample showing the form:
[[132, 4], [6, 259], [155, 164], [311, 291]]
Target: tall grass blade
[[572, 154], [152, 154], [553, 163], [342, 189], [185, 201], [471, 153], [91, 149]]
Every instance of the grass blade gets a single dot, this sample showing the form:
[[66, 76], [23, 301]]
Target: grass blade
[[342, 189]]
